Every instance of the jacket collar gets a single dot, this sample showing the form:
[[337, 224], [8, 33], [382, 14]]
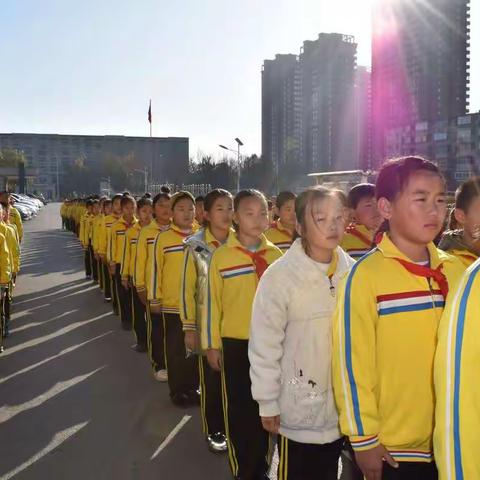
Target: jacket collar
[[390, 250], [232, 242]]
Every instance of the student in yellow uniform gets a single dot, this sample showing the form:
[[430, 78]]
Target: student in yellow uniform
[[385, 329], [144, 214], [96, 229], [84, 236], [457, 414], [9, 232], [199, 211], [290, 341], [118, 234], [282, 230], [109, 220], [162, 213], [164, 298], [5, 279], [235, 270], [91, 237], [464, 242], [102, 248], [358, 239], [218, 213], [15, 217]]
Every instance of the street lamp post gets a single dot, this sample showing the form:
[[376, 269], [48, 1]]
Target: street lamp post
[[239, 144]]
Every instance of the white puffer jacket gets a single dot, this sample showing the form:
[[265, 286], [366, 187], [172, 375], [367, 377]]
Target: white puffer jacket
[[290, 345]]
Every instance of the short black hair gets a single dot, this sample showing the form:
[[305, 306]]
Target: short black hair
[[283, 198], [147, 195], [359, 192], [165, 189], [200, 198], [160, 196], [181, 196], [466, 193], [144, 201], [127, 199], [117, 196], [248, 193]]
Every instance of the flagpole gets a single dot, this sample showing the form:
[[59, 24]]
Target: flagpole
[[150, 115]]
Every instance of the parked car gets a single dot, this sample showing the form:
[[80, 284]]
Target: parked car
[[25, 212]]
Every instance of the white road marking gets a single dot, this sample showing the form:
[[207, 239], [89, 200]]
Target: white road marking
[[58, 439], [46, 338], [171, 435], [53, 357], [36, 324], [7, 412]]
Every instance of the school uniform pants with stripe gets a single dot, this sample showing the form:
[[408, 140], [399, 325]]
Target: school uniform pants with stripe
[[308, 461], [156, 340], [107, 281], [88, 263], [138, 318], [124, 299], [182, 371], [114, 290], [249, 447], [100, 274], [211, 398], [411, 471], [93, 263]]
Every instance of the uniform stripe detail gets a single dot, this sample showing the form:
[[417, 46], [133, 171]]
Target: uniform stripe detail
[[184, 301], [120, 232], [366, 442], [410, 454], [209, 313], [237, 270], [170, 310], [409, 302], [283, 245], [462, 311], [358, 253], [173, 248], [348, 345]]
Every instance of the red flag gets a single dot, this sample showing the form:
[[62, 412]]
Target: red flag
[[150, 112]]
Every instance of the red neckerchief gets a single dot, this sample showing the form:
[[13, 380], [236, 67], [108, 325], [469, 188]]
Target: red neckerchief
[[427, 272], [473, 258], [215, 243], [258, 260], [352, 230]]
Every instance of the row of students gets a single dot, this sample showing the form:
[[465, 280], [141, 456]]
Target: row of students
[[388, 309], [10, 239]]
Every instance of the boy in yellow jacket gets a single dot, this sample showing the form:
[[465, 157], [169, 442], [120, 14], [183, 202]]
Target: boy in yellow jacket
[[385, 328], [5, 279], [164, 298], [457, 414], [464, 242], [117, 257], [358, 238], [282, 230]]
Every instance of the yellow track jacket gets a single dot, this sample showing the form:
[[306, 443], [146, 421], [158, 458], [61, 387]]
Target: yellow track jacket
[[117, 242], [96, 229], [279, 236], [143, 261], [384, 339], [166, 270], [104, 238], [14, 217], [357, 241], [9, 232], [5, 265], [128, 260], [232, 283], [457, 386]]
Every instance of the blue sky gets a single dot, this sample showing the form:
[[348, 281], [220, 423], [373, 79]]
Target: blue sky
[[91, 66]]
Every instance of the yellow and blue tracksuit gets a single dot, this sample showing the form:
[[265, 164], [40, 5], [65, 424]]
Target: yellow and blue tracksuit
[[457, 387], [357, 241], [233, 281], [384, 341], [279, 236]]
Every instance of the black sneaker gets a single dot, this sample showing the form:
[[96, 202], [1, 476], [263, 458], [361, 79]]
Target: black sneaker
[[194, 397], [217, 442]]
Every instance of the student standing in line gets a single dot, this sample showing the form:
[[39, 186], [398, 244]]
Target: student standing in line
[[84, 236], [117, 251], [162, 213], [218, 205], [199, 211], [464, 241], [144, 213], [385, 327], [96, 230], [366, 219], [290, 341], [164, 298], [282, 230], [235, 270], [457, 414], [106, 222]]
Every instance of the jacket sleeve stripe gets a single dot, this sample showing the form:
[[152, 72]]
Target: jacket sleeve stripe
[[184, 300], [209, 313]]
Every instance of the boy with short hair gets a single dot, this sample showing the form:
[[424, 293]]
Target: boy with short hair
[[358, 239]]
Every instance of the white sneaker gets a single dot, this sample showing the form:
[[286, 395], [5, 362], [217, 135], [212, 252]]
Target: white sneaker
[[161, 376]]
